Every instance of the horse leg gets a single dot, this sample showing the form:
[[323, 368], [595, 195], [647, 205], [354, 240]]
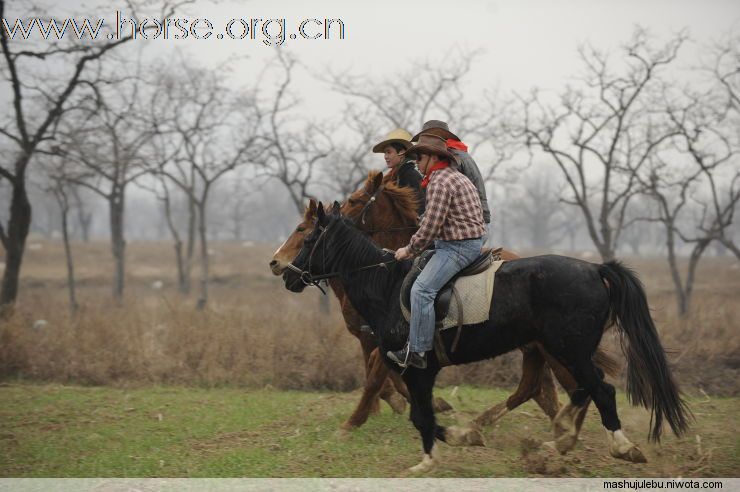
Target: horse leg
[[395, 399], [566, 426], [374, 382], [420, 384], [547, 396], [590, 381], [374, 368], [536, 382]]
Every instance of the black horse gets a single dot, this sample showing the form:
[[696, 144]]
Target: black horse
[[561, 302]]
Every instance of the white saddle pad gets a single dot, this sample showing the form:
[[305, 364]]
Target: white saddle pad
[[475, 293]]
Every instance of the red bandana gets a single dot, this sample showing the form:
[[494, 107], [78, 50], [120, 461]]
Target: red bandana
[[436, 167], [456, 144]]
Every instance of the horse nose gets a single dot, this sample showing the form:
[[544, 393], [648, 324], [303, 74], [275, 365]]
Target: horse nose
[[273, 263]]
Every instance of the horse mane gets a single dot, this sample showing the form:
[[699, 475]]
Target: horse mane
[[355, 245], [403, 198]]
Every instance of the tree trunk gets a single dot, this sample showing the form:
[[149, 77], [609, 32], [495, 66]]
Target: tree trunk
[[15, 240], [681, 299], [71, 285], [182, 282], [693, 263], [83, 217], [731, 246], [203, 298], [118, 241], [192, 214], [606, 252]]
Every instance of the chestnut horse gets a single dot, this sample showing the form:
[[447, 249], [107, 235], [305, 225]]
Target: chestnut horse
[[387, 214]]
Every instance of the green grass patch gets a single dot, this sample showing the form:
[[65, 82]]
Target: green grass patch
[[61, 431]]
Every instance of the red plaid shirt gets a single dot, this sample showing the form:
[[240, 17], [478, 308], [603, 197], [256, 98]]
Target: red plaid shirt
[[453, 211]]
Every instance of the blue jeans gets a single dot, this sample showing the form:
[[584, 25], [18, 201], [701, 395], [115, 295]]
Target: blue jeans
[[450, 258]]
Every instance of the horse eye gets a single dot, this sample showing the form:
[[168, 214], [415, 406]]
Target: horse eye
[[300, 229], [352, 201]]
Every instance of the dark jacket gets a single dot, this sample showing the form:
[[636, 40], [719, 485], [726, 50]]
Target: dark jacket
[[469, 168], [408, 175]]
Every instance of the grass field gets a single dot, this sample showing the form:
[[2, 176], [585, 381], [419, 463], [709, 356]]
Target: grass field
[[259, 382], [69, 431]]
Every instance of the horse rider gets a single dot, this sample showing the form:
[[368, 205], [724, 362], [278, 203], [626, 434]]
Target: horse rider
[[454, 221], [403, 168], [464, 161]]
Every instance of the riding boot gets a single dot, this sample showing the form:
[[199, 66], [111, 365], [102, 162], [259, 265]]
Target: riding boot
[[405, 357]]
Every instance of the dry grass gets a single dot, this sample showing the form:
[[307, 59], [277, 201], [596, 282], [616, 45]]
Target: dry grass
[[255, 333]]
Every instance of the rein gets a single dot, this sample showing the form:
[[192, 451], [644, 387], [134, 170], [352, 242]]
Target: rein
[[367, 206], [310, 279], [370, 201]]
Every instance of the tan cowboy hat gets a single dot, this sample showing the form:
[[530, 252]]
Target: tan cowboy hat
[[431, 144], [438, 128], [399, 135]]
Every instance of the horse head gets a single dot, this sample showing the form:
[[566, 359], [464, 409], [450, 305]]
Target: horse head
[[290, 248], [383, 210], [380, 208], [313, 256]]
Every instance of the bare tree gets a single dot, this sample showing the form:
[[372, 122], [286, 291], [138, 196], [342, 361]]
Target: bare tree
[[537, 211], [427, 90], [61, 189], [696, 184], [83, 212], [294, 149], [347, 166], [38, 105], [210, 130], [602, 132], [108, 146], [724, 68]]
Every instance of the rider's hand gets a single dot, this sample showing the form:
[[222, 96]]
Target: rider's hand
[[403, 254]]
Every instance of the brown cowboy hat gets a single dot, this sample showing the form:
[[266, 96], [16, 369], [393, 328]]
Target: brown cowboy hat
[[431, 144], [438, 128], [399, 135]]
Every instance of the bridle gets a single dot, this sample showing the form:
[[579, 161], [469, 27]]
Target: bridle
[[369, 203], [310, 279], [372, 199]]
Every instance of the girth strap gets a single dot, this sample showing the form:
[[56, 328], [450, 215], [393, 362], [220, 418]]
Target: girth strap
[[439, 349], [460, 318], [439, 346]]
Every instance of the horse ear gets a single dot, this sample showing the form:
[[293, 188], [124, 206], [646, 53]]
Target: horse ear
[[310, 212], [378, 180], [320, 213], [335, 211]]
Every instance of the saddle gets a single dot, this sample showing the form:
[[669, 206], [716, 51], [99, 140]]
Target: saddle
[[477, 289]]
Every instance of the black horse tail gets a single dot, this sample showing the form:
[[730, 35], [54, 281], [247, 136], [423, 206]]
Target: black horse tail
[[649, 379]]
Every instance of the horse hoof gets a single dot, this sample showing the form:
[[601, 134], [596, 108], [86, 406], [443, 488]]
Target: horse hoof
[[489, 417], [633, 455], [550, 446], [475, 438], [440, 405], [397, 403], [565, 443], [427, 464], [459, 436], [348, 426]]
